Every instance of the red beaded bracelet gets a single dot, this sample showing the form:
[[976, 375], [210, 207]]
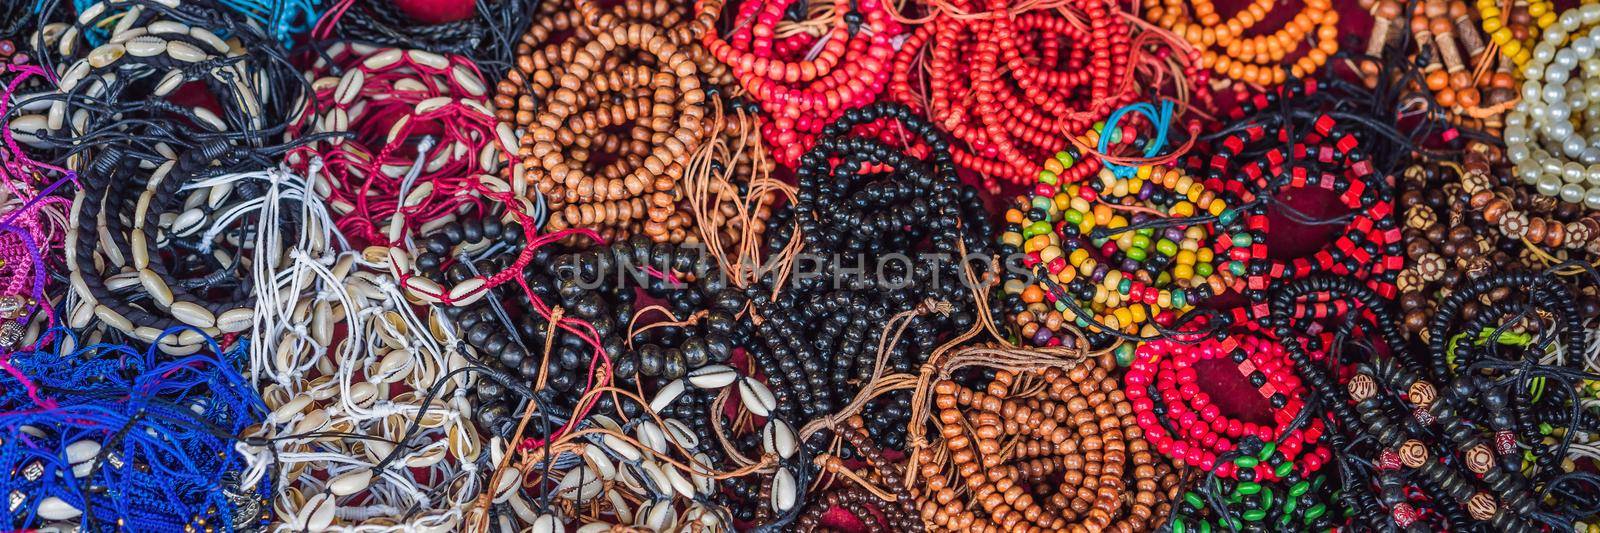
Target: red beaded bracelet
[[1007, 86], [1192, 430], [801, 95]]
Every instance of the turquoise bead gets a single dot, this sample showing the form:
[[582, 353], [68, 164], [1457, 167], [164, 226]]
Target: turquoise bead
[[1043, 204], [1236, 267], [1242, 239], [1125, 285]]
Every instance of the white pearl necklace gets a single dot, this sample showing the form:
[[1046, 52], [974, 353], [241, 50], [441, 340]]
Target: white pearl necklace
[[1553, 135]]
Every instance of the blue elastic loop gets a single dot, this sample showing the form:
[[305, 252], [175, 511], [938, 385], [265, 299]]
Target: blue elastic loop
[[1162, 120]]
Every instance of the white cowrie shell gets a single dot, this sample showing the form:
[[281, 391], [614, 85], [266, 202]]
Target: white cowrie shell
[[362, 394], [756, 397], [651, 436], [428, 59], [324, 83], [700, 473], [313, 422], [192, 314], [468, 81], [680, 434], [548, 523], [350, 482], [430, 105], [785, 491], [398, 128], [508, 139], [123, 281], [126, 22], [317, 515], [53, 508], [426, 457], [505, 481], [678, 482], [424, 289], [81, 456], [596, 459], [106, 54], [520, 506], [185, 52], [394, 366], [409, 85], [621, 447], [88, 15], [668, 394], [210, 119], [620, 506], [188, 222], [236, 319], [349, 86], [146, 46], [209, 38], [464, 443], [290, 408], [73, 76], [658, 479], [631, 481], [25, 129], [69, 42], [606, 422], [712, 376], [417, 195], [580, 484], [167, 27], [57, 118], [777, 437], [661, 517], [594, 527], [383, 59]]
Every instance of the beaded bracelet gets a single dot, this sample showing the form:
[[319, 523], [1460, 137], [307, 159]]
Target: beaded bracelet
[[484, 38], [892, 233], [1256, 59], [801, 94], [1516, 29], [1184, 423], [1402, 453], [1259, 164], [1028, 427], [1294, 500], [627, 75], [1543, 136], [1139, 279], [441, 138], [1006, 88]]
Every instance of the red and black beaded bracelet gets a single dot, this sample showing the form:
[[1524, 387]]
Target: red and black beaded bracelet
[[1184, 423], [1265, 158]]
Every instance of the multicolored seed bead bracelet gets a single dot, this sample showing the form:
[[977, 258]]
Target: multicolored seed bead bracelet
[[1129, 253]]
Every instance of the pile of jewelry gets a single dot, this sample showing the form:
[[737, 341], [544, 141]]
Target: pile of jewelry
[[775, 265]]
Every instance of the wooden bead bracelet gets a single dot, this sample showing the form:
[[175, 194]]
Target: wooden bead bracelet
[[1258, 59], [1000, 443]]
